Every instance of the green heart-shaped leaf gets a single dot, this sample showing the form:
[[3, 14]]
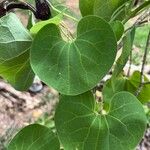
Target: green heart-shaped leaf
[[35, 137], [15, 43], [108, 9], [76, 66], [86, 7], [105, 9], [81, 127]]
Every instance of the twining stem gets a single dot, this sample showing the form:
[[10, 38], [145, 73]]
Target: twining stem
[[143, 65], [136, 11], [140, 21], [20, 5], [55, 9]]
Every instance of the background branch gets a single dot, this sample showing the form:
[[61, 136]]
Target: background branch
[[143, 65]]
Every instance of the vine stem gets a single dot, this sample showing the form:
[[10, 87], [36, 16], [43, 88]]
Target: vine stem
[[64, 26], [145, 83], [55, 9], [143, 65], [134, 12], [130, 63]]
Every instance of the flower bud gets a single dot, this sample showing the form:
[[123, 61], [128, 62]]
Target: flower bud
[[42, 10]]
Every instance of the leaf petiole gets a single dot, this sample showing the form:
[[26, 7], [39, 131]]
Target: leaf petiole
[[66, 15]]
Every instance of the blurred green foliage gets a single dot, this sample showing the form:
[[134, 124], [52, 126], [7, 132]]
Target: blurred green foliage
[[141, 36]]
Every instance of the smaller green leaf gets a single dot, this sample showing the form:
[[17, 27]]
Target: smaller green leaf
[[86, 7], [118, 29], [38, 26], [14, 38], [111, 87], [127, 48], [133, 83], [35, 137], [18, 71], [15, 42]]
